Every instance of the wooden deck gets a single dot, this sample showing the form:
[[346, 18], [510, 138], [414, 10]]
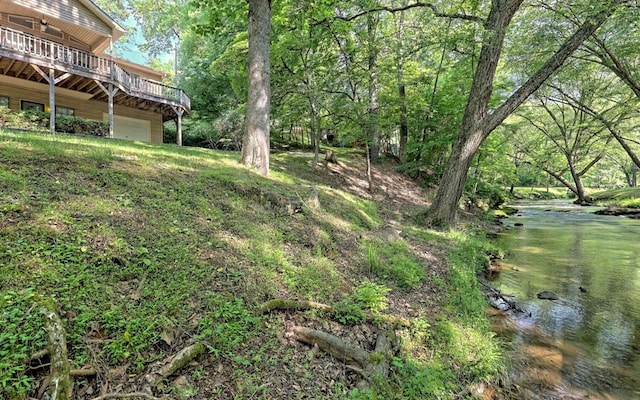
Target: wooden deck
[[24, 56]]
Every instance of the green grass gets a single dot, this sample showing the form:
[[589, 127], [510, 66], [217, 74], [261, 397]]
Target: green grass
[[624, 197], [143, 248], [541, 193]]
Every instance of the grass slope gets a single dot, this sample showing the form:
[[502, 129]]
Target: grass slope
[[144, 249], [624, 197]]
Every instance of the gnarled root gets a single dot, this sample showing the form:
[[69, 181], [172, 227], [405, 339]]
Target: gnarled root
[[60, 378], [369, 364], [171, 364]]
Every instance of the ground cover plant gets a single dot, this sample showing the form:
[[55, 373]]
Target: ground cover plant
[[145, 251]]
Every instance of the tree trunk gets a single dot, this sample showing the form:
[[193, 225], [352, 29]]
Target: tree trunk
[[374, 134], [476, 123], [472, 130], [255, 144], [315, 132], [581, 192], [402, 93]]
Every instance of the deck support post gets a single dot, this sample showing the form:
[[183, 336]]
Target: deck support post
[[52, 81], [179, 111], [52, 100], [111, 92]]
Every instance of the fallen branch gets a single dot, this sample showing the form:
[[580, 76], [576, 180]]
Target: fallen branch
[[171, 364], [491, 291]]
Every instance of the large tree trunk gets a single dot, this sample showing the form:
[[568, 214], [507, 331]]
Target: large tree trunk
[[255, 144], [581, 191], [444, 208], [374, 134], [402, 93], [476, 123]]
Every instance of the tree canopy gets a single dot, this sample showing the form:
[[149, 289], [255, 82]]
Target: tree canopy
[[425, 83]]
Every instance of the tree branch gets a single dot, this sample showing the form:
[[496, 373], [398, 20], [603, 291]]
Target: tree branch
[[433, 7], [553, 63]]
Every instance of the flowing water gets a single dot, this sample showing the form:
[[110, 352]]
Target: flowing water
[[586, 344]]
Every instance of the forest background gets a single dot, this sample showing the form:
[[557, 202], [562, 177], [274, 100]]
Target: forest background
[[477, 95]]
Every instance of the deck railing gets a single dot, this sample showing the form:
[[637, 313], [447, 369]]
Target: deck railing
[[107, 69]]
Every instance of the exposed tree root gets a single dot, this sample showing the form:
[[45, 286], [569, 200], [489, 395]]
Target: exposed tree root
[[171, 364], [371, 364], [331, 344], [300, 305], [60, 380], [379, 366], [60, 376], [83, 372], [39, 354]]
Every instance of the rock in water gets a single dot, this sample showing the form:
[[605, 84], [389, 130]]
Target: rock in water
[[547, 295]]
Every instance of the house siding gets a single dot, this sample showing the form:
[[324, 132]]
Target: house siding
[[71, 11], [84, 108]]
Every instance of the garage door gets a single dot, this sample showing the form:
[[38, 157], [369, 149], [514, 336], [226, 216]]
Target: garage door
[[130, 128]]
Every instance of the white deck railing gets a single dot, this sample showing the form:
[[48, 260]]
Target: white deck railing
[[107, 69]]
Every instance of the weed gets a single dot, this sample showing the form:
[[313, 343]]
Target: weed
[[348, 312], [393, 260], [228, 325], [22, 334], [316, 280], [372, 296]]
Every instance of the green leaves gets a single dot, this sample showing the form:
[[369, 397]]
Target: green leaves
[[21, 335]]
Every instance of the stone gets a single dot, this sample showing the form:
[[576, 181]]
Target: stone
[[547, 295]]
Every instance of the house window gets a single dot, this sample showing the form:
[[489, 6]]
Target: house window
[[26, 105], [65, 111], [4, 101], [22, 21]]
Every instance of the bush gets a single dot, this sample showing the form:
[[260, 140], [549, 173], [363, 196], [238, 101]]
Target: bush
[[28, 120], [223, 133], [69, 124], [39, 121]]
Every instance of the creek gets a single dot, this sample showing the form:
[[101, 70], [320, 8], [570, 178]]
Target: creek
[[586, 344]]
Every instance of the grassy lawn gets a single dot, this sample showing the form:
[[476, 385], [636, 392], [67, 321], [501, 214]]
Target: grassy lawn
[[625, 197], [541, 193], [143, 250]]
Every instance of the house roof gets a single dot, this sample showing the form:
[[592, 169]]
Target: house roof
[[140, 70], [81, 19], [118, 30]]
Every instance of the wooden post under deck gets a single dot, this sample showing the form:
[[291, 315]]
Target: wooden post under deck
[[179, 111], [52, 81], [111, 92]]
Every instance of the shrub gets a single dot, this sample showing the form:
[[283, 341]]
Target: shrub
[[39, 121]]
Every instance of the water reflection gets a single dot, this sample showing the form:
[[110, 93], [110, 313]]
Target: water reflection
[[587, 343]]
